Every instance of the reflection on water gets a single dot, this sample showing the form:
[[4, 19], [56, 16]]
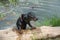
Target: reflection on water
[[44, 9]]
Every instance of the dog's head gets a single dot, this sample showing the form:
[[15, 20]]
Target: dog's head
[[32, 16]]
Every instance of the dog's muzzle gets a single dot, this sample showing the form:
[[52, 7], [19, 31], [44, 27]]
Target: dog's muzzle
[[35, 19]]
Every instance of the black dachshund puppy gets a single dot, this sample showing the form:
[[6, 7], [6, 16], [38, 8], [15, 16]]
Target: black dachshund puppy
[[25, 19]]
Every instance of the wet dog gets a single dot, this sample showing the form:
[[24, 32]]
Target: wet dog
[[25, 19]]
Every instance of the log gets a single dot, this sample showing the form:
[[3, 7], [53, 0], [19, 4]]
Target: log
[[43, 32]]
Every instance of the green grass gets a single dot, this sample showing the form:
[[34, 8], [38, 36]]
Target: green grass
[[54, 21], [7, 2], [2, 15]]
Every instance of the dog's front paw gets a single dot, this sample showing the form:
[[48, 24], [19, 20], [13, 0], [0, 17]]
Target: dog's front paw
[[33, 28]]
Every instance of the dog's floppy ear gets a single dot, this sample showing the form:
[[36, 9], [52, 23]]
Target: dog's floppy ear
[[22, 16]]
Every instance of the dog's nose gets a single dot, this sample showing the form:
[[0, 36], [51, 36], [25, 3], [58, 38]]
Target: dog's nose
[[36, 18]]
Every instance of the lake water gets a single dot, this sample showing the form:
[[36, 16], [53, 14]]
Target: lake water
[[44, 9]]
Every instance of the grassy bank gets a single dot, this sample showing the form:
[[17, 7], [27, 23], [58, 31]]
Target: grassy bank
[[54, 21], [2, 16]]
